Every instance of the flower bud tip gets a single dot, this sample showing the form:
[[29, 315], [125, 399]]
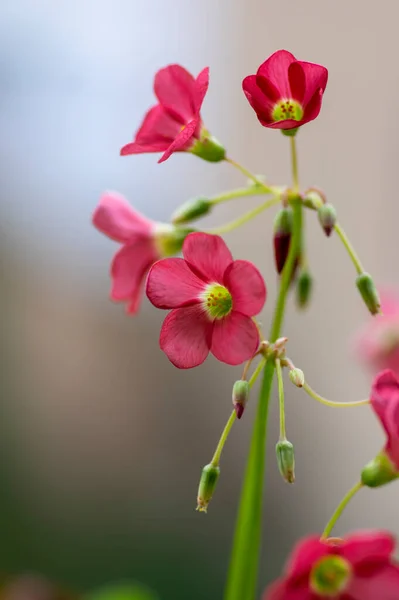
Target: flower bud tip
[[368, 292], [240, 396], [209, 477], [297, 377], [286, 460], [327, 217]]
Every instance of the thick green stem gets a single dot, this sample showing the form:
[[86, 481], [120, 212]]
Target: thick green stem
[[339, 510], [242, 579]]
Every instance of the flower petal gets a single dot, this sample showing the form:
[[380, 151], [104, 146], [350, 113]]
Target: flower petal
[[281, 590], [118, 220], [304, 555], [367, 546], [275, 68], [246, 285], [156, 133], [382, 584], [202, 83], [384, 391], [172, 284], [235, 339], [261, 104], [182, 141], [297, 79], [207, 255], [312, 108], [316, 77], [185, 336], [177, 90], [128, 271]]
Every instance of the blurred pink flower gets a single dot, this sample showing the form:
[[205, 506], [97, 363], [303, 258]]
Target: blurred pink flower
[[377, 344], [360, 567], [213, 298], [385, 402]]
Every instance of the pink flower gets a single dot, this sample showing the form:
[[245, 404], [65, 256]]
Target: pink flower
[[385, 402], [285, 92], [175, 124], [360, 567], [377, 345], [213, 299], [143, 242]]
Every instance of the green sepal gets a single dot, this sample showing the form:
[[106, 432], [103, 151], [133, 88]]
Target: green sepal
[[191, 210], [379, 471]]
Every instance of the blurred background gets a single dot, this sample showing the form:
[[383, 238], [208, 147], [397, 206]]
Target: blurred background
[[102, 440]]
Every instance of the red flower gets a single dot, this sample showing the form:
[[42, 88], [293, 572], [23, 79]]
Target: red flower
[[286, 93], [175, 124], [213, 298], [143, 242], [361, 567], [385, 402]]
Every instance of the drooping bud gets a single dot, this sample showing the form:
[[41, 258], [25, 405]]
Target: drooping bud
[[190, 210], [209, 477], [286, 460], [241, 391], [304, 287], [379, 471], [327, 217], [282, 236], [368, 292], [297, 377], [313, 199], [208, 148]]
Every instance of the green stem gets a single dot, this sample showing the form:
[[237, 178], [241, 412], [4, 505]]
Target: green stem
[[248, 174], [280, 383], [349, 248], [326, 402], [242, 577], [223, 438], [244, 218], [237, 193], [294, 164], [339, 510]]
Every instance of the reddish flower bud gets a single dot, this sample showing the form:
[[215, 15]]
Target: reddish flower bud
[[282, 237], [327, 217], [241, 391]]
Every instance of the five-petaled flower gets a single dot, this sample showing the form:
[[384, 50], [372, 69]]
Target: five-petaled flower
[[360, 567], [143, 242], [377, 345], [286, 93], [213, 298], [175, 124]]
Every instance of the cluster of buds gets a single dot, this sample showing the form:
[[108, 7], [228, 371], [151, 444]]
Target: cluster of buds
[[214, 301]]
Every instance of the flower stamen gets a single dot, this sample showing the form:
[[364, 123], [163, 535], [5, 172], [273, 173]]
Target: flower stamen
[[217, 301]]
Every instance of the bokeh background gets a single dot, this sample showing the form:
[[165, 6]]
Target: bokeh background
[[101, 439]]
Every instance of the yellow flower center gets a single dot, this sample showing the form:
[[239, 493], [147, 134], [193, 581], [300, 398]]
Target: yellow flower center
[[217, 301], [330, 576], [287, 109]]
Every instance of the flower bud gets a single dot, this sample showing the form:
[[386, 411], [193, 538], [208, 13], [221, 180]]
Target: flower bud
[[190, 210], [209, 476], [379, 471], [297, 377], [286, 460], [282, 236], [327, 217], [169, 239], [304, 287], [368, 292], [313, 200], [241, 391], [209, 148]]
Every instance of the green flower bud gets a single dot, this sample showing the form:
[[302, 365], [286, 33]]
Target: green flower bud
[[241, 391], [190, 210], [304, 287], [208, 148], [327, 217], [368, 292], [209, 477], [379, 471], [286, 460], [313, 200], [297, 377]]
